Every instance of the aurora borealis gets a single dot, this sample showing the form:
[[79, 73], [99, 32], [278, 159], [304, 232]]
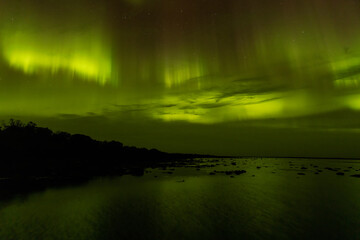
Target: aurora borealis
[[223, 77]]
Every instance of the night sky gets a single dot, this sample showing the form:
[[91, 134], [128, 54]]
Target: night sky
[[229, 77]]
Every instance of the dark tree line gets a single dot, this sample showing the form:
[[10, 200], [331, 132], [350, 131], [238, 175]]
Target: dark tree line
[[28, 150]]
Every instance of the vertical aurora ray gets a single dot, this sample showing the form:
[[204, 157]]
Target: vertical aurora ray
[[178, 72]]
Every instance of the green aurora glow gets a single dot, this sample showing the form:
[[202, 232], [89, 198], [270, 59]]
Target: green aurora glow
[[199, 62]]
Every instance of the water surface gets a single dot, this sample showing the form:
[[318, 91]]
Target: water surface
[[274, 199]]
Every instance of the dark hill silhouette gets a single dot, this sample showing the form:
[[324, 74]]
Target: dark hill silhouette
[[28, 151]]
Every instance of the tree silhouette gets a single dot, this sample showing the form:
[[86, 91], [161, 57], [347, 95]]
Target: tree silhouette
[[31, 151]]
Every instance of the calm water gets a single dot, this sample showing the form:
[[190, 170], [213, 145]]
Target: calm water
[[270, 201]]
